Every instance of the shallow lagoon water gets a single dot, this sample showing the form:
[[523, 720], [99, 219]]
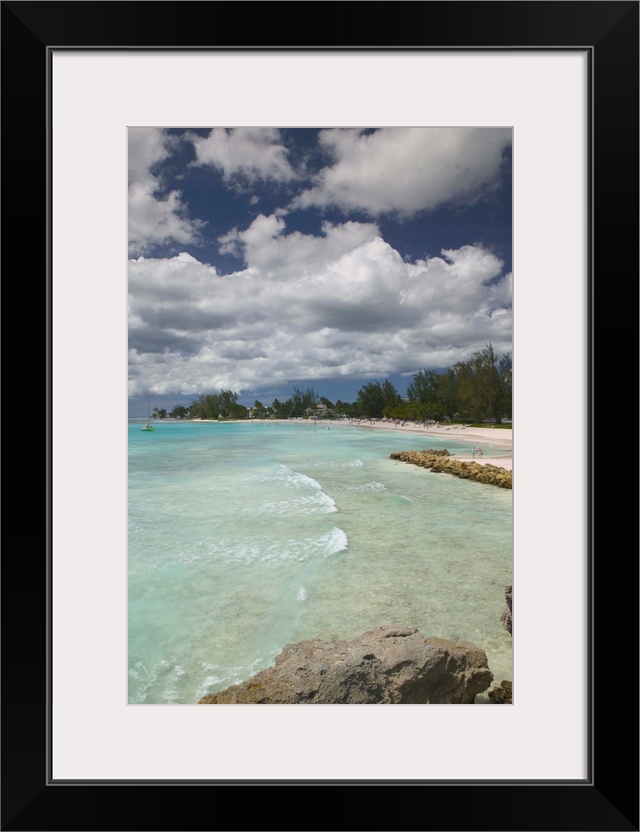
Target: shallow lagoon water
[[246, 537]]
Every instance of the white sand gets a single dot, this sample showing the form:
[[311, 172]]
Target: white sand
[[486, 438]]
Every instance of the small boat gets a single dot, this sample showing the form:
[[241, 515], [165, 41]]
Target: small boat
[[148, 425]]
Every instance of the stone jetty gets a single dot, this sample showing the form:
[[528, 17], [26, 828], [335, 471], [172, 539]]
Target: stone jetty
[[439, 462]]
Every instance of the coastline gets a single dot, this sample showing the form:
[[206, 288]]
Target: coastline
[[491, 438], [358, 546]]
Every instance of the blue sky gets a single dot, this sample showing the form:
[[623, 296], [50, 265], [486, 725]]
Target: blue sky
[[261, 258]]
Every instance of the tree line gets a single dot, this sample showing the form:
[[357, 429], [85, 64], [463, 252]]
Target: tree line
[[475, 390]]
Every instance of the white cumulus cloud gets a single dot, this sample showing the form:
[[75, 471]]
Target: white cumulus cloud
[[403, 171], [253, 153], [343, 303], [154, 216]]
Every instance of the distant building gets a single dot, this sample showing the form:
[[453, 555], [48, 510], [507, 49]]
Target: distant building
[[319, 411]]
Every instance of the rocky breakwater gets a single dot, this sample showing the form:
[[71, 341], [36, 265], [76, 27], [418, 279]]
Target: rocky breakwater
[[388, 665], [441, 462]]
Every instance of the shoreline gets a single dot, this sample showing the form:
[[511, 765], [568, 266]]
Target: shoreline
[[322, 442], [491, 438]]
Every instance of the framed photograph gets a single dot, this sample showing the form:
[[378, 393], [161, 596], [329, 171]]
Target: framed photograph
[[98, 94], [257, 333]]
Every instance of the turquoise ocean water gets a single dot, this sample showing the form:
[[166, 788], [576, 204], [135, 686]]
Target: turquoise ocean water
[[246, 537]]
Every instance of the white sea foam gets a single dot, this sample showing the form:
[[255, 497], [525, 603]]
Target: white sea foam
[[288, 478], [335, 541], [356, 463], [143, 680], [188, 558], [302, 594], [369, 486], [164, 678], [171, 696], [228, 676], [318, 503], [272, 553], [205, 685]]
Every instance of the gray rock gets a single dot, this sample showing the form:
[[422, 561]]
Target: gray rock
[[507, 613], [388, 665], [502, 694]]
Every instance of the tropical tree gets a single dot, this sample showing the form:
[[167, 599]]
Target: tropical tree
[[303, 400], [505, 373], [227, 404], [223, 405], [374, 398], [475, 390], [345, 408], [281, 410], [428, 392], [259, 410], [484, 389]]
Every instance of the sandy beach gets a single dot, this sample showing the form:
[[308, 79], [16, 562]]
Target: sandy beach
[[486, 438], [489, 439]]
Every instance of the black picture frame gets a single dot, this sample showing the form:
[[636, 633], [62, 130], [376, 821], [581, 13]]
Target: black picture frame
[[608, 798]]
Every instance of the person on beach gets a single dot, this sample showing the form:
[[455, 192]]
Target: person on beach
[[473, 451], [479, 452]]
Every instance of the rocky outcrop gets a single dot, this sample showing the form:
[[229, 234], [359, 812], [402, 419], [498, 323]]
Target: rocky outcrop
[[440, 462], [507, 613], [502, 694], [389, 665]]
